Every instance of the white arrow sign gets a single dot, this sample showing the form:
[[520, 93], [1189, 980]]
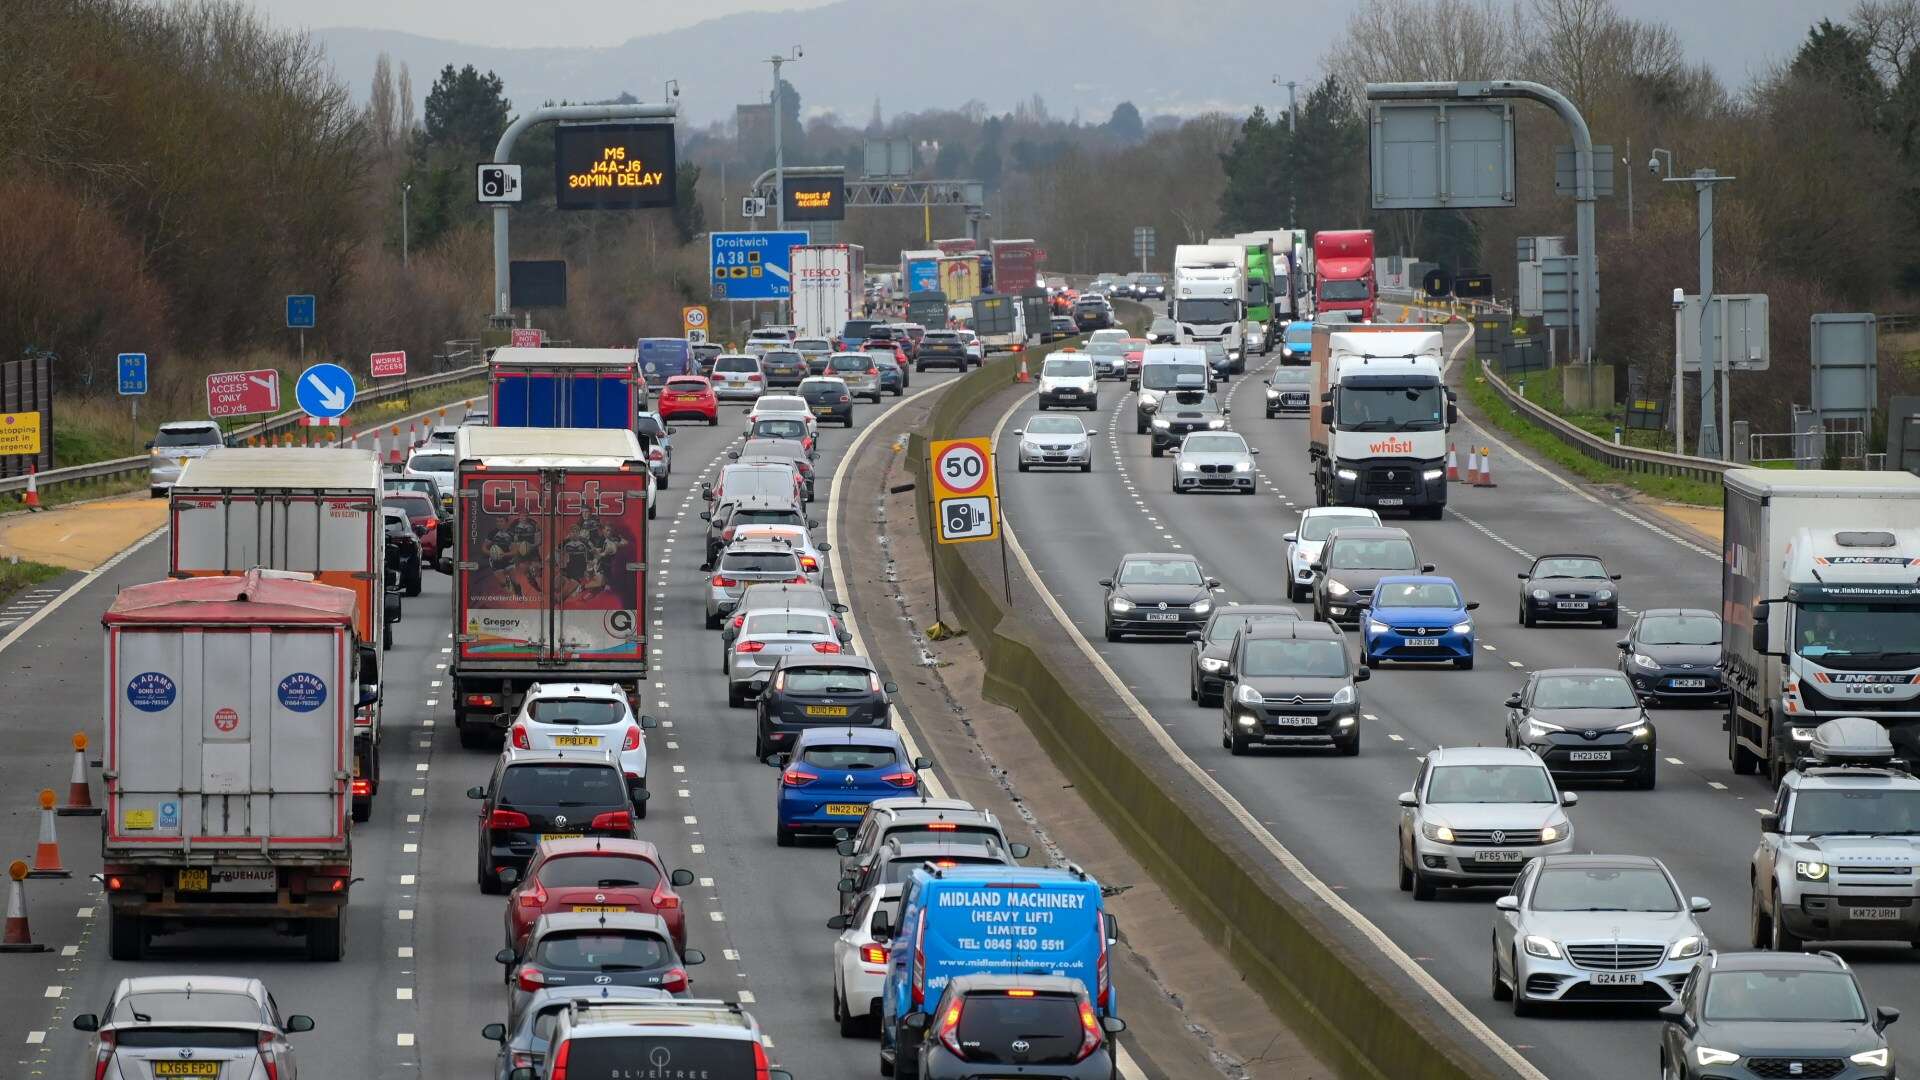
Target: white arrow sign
[[333, 397]]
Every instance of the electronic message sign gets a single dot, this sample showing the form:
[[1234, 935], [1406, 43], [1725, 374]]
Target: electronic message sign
[[613, 166], [816, 198]]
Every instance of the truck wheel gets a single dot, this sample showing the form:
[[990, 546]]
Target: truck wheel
[[327, 938], [386, 637], [362, 807], [471, 736], [126, 936]]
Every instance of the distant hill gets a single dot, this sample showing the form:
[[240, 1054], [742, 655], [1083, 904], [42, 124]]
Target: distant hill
[[910, 56]]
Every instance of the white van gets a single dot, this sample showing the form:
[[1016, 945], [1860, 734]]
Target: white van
[[1165, 368]]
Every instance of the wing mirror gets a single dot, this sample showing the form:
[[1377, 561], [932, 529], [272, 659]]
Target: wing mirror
[[648, 722], [1193, 635], [681, 878], [1770, 823], [706, 515], [1522, 577], [298, 1022], [1426, 568], [1624, 644], [813, 523], [508, 876], [1106, 583], [1615, 577], [1112, 1025], [476, 793], [1407, 799], [838, 922], [921, 764], [1318, 567], [1883, 1016], [847, 885], [1507, 903], [846, 847], [1019, 851], [1513, 700], [777, 761], [1019, 431], [504, 956], [694, 958], [1569, 798], [1473, 605], [1213, 583], [733, 455], [889, 688], [706, 492], [1676, 1014], [494, 1033], [916, 1021], [1362, 674], [1699, 905], [1255, 451], [88, 1021]]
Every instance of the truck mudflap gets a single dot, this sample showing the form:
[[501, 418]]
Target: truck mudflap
[[366, 767]]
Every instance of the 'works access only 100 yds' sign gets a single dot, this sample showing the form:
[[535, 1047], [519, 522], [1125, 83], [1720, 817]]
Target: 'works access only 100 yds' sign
[[614, 166]]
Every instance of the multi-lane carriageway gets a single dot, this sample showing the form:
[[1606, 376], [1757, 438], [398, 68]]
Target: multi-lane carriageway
[[1339, 815]]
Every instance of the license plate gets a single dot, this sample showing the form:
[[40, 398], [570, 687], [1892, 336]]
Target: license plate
[[560, 836], [599, 907], [1689, 684], [1391, 502], [821, 412], [576, 740], [1067, 393], [1616, 978], [1423, 643], [846, 809], [192, 881], [1875, 914], [1589, 755], [826, 710], [1295, 721], [1503, 855], [1571, 605], [1162, 616], [186, 1068]]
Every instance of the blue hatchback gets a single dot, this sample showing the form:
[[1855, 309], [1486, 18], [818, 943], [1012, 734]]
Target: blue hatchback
[[831, 774], [1418, 618]]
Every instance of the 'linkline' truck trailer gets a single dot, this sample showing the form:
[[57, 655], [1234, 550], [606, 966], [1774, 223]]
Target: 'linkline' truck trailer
[[1820, 603]]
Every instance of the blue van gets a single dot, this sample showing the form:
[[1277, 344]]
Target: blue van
[[990, 920], [661, 358]]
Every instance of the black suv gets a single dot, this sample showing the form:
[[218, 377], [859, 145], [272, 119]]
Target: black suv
[[536, 793], [813, 690], [1774, 1014], [1092, 313], [1291, 685], [941, 347]]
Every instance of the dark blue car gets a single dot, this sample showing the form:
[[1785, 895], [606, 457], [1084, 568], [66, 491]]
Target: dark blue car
[[831, 774], [1418, 618]]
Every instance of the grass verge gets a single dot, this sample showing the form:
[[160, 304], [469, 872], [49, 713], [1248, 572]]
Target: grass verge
[[1501, 415], [16, 577]]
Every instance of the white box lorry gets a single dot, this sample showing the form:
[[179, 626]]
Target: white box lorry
[[1820, 606], [229, 708], [1377, 431], [1209, 295], [827, 287]]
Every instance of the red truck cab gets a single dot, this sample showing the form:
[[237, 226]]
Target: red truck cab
[[1343, 272]]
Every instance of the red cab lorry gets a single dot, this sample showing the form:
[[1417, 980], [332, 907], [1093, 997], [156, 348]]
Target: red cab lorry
[[1343, 273]]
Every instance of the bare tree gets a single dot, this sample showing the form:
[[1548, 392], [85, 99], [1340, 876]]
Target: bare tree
[[1587, 50], [381, 117], [405, 93], [1427, 40], [1892, 30]]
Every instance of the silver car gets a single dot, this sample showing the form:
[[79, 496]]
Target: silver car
[[744, 563], [1476, 814], [173, 1025], [858, 371], [1595, 928], [1060, 441], [527, 1044], [737, 377], [174, 445], [766, 636], [1214, 461]]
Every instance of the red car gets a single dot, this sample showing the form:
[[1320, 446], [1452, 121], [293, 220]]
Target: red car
[[590, 873], [883, 344], [687, 397], [422, 516], [1136, 353]]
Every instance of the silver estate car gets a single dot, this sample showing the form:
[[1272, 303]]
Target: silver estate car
[[1061, 441], [1595, 928], [154, 1022], [748, 562], [175, 444], [1476, 814]]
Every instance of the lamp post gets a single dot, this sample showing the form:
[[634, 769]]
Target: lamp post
[[1715, 389], [1292, 127], [779, 153], [406, 190]]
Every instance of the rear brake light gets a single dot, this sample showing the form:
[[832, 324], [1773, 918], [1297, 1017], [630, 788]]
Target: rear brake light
[[920, 959], [268, 1058], [738, 621], [508, 819], [942, 826], [674, 981], [949, 1033], [795, 778], [105, 1057], [533, 895], [1020, 993], [722, 582], [632, 741], [755, 377], [872, 954], [482, 701], [751, 646], [844, 398], [801, 579], [362, 788], [824, 646], [613, 819], [905, 779], [727, 533], [560, 1061], [663, 899], [530, 979], [520, 740], [1089, 1027], [808, 562]]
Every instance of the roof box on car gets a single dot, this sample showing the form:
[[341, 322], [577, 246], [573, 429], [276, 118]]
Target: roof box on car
[[1851, 740]]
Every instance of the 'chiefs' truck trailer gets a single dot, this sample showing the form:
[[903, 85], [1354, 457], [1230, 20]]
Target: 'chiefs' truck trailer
[[550, 575]]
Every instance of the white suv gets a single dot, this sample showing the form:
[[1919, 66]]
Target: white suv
[[1068, 380], [585, 716], [174, 445]]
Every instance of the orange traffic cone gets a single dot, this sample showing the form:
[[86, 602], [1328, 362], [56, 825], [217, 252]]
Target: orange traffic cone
[[1486, 468], [1023, 376], [79, 792], [17, 937], [33, 490], [1453, 464], [46, 854], [1473, 465], [393, 449]]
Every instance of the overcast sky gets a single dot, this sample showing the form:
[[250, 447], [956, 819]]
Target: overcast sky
[[1738, 37]]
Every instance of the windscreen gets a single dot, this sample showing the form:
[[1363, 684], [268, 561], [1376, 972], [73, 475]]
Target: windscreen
[[1288, 658], [630, 1055], [1160, 572], [1226, 624], [1604, 888], [1207, 311], [1854, 812], [1679, 630], [1292, 377], [850, 758], [561, 785], [1391, 553], [583, 711], [598, 950], [587, 870], [1342, 290], [1784, 996], [1570, 568], [1299, 334], [1214, 444], [1055, 425], [1584, 692], [1060, 368], [1391, 408], [1317, 526], [187, 437], [996, 1028], [1437, 594], [1165, 376], [1108, 348], [1858, 637], [1489, 784]]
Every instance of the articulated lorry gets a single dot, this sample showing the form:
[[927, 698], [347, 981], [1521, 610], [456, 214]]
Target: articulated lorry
[[960, 277], [1257, 262], [1209, 295], [827, 287], [571, 388], [1378, 434], [229, 711], [307, 510], [550, 572], [1286, 250], [1343, 273], [1820, 604], [919, 271]]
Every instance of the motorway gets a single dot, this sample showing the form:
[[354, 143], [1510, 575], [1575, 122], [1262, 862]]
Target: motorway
[[419, 980], [1339, 815]]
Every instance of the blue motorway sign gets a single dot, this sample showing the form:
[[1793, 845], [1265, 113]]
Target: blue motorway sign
[[133, 373], [300, 312], [325, 390], [753, 265]]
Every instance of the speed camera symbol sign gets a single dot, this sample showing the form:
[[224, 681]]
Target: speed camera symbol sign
[[966, 519]]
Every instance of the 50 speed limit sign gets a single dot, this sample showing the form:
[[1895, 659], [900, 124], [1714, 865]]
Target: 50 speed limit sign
[[964, 494]]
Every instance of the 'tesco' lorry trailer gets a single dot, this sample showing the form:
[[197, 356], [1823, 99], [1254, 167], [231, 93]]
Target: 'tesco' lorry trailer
[[229, 722], [1820, 603], [1377, 433]]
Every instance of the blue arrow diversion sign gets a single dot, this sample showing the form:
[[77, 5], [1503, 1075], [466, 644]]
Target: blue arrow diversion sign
[[325, 390]]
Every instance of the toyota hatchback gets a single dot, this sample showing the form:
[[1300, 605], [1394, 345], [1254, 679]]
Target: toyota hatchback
[[831, 774]]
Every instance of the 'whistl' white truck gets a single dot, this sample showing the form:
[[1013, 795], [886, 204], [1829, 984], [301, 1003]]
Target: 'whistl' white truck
[[1820, 603], [1209, 295], [1378, 432]]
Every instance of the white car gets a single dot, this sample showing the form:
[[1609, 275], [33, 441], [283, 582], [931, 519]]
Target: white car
[[786, 407], [1476, 816], [1056, 440], [584, 716], [435, 463], [1068, 380], [176, 443], [1214, 461], [1307, 538], [975, 351], [441, 435], [860, 961], [736, 376], [769, 337], [768, 636], [1112, 333]]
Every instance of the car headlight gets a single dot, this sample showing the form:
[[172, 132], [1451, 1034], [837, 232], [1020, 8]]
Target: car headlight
[[1376, 627], [1334, 588], [1201, 607], [1810, 871], [1540, 594], [1433, 474], [1878, 1057], [1343, 696], [1801, 734], [1031, 448], [1272, 393], [1463, 627], [1539, 946], [1208, 663], [1247, 695], [1160, 422], [1555, 832], [1346, 474], [1233, 354], [1188, 466], [1120, 603], [1686, 947], [1216, 424], [1540, 729], [1639, 729], [1603, 595], [1243, 466], [1707, 1055], [1437, 833], [1645, 661]]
